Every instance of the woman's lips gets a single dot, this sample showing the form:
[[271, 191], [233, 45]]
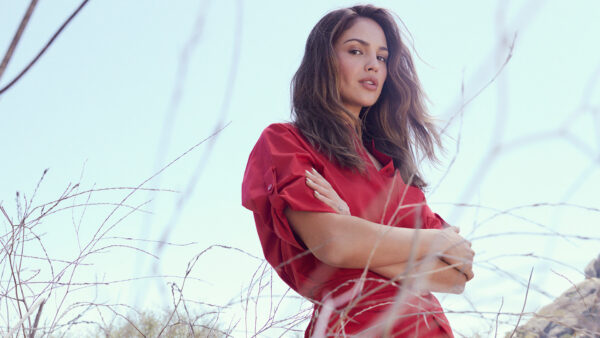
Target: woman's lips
[[369, 84]]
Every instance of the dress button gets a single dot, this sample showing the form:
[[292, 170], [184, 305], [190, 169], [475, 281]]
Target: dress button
[[270, 188]]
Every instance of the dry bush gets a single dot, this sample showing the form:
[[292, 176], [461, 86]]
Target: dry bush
[[151, 324]]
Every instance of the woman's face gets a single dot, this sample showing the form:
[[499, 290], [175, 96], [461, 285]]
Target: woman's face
[[361, 53]]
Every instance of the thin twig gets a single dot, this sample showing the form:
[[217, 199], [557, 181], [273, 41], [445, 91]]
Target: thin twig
[[6, 216], [37, 320], [43, 50], [574, 286], [17, 37], [524, 303], [498, 316], [24, 317]]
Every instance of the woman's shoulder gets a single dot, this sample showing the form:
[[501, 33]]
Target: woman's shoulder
[[281, 129], [283, 132]]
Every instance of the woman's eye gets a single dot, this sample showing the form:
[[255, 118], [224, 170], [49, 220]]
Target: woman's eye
[[382, 58], [355, 52]]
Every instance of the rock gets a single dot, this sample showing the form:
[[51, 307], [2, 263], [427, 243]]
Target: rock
[[576, 313], [592, 270]]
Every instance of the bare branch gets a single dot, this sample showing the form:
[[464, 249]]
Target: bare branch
[[43, 50], [17, 37]]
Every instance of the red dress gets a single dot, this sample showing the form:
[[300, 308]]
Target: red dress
[[347, 301]]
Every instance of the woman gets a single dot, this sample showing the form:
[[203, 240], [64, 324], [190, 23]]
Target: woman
[[337, 196]]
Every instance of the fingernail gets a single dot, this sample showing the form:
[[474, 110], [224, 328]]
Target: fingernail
[[314, 170]]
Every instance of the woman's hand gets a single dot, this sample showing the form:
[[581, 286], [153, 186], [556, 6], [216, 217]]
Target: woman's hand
[[454, 250], [325, 193], [444, 270]]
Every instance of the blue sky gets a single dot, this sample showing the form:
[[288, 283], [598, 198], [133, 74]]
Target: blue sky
[[129, 86]]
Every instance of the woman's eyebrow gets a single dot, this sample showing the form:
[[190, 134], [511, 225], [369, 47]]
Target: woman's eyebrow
[[364, 43]]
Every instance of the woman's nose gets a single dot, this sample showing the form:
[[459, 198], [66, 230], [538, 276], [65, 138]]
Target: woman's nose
[[372, 65]]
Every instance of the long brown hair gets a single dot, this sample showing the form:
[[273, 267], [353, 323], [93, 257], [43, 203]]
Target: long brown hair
[[398, 122]]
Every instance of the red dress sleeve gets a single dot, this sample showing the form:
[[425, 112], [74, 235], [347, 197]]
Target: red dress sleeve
[[275, 179], [439, 223], [432, 220]]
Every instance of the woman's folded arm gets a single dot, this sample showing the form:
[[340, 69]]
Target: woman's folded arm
[[351, 242], [427, 274]]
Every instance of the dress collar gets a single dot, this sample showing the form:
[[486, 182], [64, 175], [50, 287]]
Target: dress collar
[[385, 160]]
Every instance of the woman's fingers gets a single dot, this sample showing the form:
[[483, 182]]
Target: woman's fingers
[[328, 193], [463, 265], [318, 182], [468, 272], [317, 187], [340, 208], [467, 269], [455, 251], [325, 192], [325, 199], [315, 176], [338, 205]]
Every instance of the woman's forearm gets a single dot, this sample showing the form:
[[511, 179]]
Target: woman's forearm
[[352, 242], [428, 274]]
